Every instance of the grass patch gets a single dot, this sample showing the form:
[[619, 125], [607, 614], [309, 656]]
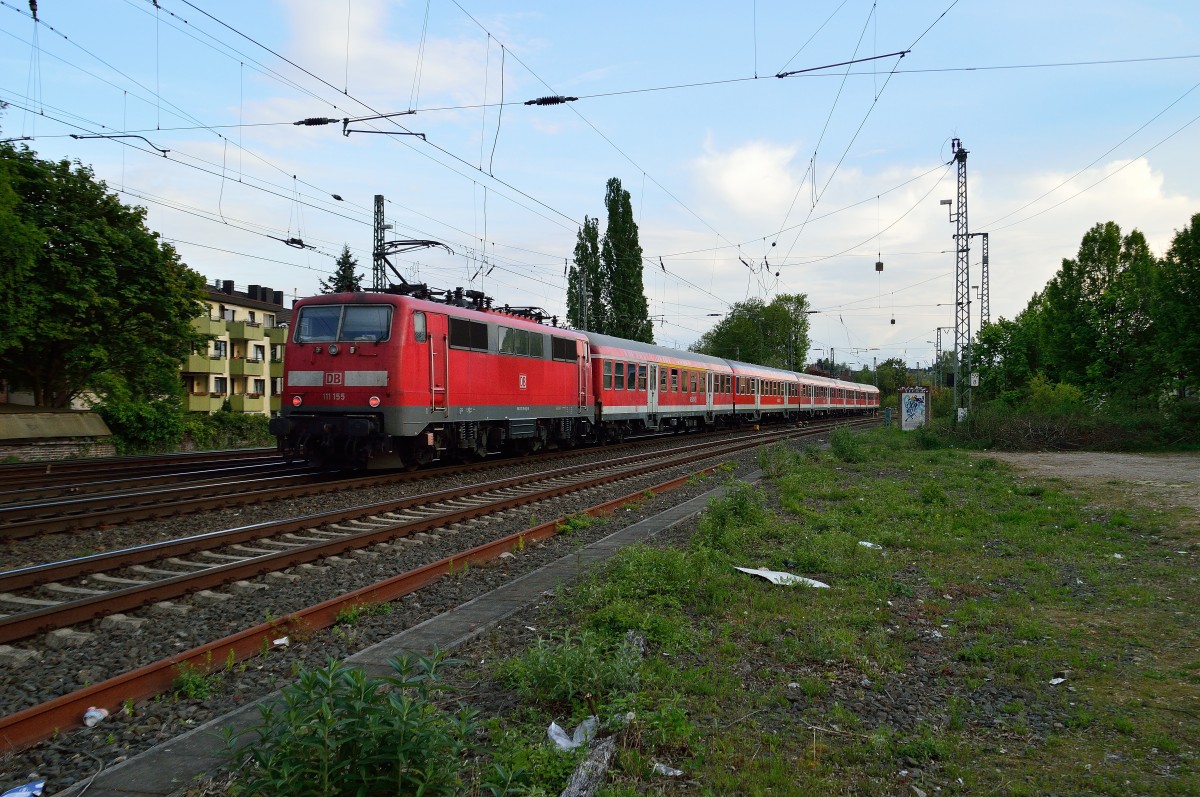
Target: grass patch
[[931, 655]]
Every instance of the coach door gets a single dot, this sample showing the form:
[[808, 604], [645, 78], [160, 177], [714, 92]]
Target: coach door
[[581, 365], [652, 395], [708, 395], [439, 360]]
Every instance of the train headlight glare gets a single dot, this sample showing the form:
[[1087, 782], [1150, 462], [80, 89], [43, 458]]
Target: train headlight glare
[[373, 401], [297, 401]]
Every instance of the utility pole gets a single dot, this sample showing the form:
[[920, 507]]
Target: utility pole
[[379, 280]]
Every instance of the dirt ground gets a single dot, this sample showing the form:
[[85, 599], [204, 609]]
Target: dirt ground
[[1161, 480]]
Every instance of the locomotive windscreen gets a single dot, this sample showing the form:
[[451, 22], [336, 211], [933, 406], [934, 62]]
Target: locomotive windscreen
[[324, 323]]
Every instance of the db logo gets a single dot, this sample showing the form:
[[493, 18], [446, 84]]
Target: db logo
[[522, 381], [333, 377]]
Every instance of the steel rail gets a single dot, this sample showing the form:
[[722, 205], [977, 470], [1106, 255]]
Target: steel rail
[[38, 723], [26, 624]]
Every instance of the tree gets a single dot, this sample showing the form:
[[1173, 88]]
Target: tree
[[621, 265], [345, 276], [585, 305], [1177, 311], [100, 297], [774, 334]]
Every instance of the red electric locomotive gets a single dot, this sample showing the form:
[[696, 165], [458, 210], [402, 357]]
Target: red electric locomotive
[[389, 380]]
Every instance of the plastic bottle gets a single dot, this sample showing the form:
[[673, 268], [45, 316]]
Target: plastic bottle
[[93, 716]]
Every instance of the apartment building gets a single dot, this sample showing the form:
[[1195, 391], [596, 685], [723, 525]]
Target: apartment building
[[243, 362]]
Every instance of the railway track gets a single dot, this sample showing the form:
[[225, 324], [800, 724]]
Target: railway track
[[424, 541], [138, 499]]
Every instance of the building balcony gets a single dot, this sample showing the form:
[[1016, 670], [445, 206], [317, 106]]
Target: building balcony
[[249, 402], [277, 369], [204, 402], [209, 326], [245, 330], [277, 334], [204, 364], [244, 367], [276, 403]]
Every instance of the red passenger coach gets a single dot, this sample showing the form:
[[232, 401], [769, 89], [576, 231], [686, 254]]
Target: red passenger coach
[[642, 386], [383, 380]]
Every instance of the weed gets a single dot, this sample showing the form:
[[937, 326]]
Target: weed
[[351, 615], [338, 731], [193, 682], [846, 445], [572, 668], [573, 523]]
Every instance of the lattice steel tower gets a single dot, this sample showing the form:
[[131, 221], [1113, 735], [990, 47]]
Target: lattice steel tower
[[962, 289], [379, 279]]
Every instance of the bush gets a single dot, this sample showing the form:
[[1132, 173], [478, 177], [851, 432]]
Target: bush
[[143, 426], [338, 732], [227, 430], [846, 445]]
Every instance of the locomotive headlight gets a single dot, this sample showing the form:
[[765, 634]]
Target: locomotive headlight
[[333, 348], [297, 401], [373, 401]]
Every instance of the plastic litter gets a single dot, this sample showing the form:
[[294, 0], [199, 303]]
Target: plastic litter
[[872, 545], [582, 735], [91, 718], [784, 579], [663, 769], [282, 642], [31, 789], [1057, 681]]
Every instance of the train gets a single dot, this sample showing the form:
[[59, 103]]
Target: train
[[389, 380]]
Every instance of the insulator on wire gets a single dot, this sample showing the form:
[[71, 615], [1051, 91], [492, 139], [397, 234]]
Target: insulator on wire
[[557, 100], [313, 121]]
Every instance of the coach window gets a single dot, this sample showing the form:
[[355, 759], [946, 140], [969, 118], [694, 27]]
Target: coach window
[[631, 376], [618, 376], [662, 380], [608, 375], [641, 372], [419, 333], [692, 381], [674, 380]]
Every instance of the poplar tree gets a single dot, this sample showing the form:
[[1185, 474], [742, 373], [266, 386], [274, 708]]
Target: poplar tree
[[621, 264], [585, 306]]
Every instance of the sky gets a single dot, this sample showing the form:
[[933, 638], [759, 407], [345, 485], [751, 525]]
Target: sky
[[744, 185]]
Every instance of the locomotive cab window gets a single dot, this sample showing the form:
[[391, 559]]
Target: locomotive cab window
[[419, 333], [324, 323], [562, 349]]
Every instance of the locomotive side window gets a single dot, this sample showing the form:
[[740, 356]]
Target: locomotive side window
[[466, 334], [607, 375], [562, 349], [419, 333]]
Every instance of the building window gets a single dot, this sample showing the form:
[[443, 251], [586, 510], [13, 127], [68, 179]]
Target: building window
[[260, 386], [220, 385], [260, 353], [220, 349]]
